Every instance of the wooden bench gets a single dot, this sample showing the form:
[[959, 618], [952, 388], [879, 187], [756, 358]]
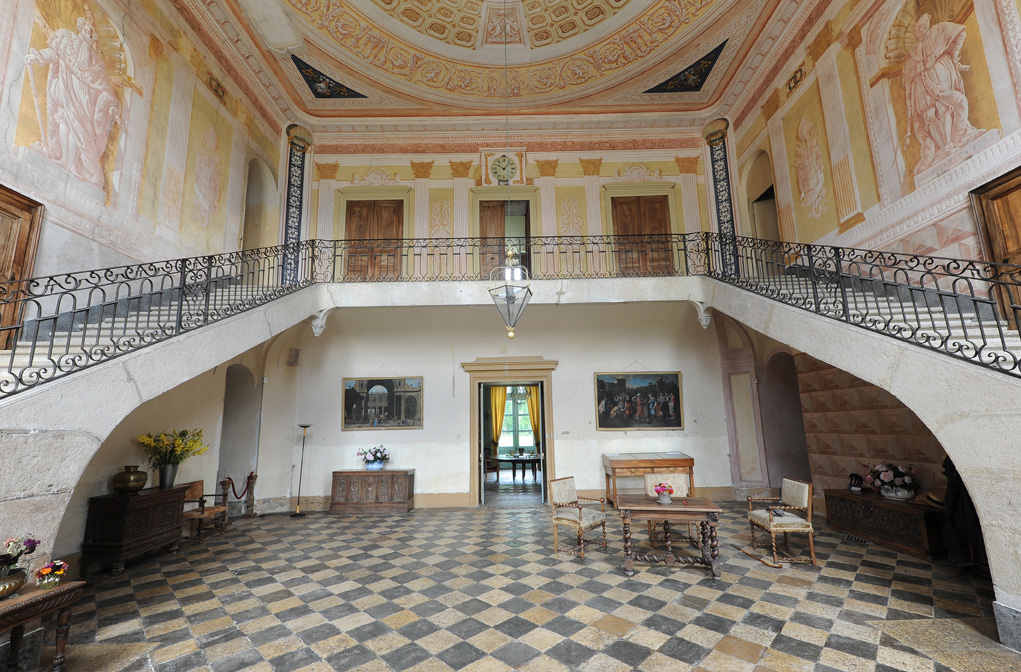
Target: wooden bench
[[206, 516]]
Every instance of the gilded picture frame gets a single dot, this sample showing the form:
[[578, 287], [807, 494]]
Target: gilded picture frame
[[650, 400], [382, 403]]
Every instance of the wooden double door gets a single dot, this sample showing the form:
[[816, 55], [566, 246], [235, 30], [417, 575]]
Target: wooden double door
[[998, 208], [20, 218], [375, 233], [642, 224], [502, 225]]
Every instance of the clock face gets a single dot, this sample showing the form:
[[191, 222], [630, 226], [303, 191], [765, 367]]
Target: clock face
[[503, 168]]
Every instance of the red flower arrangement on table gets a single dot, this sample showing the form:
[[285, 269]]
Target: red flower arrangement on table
[[660, 488]]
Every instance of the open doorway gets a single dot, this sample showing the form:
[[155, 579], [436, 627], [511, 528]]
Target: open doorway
[[486, 372], [513, 458]]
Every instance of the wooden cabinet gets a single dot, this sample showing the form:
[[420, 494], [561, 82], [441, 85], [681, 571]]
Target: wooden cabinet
[[639, 464], [121, 527], [387, 491], [916, 529]]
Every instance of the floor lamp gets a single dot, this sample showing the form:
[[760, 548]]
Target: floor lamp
[[301, 468]]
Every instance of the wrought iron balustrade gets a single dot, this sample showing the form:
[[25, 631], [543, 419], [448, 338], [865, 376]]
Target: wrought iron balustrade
[[53, 326]]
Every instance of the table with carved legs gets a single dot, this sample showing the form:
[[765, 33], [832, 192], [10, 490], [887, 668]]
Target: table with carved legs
[[698, 510], [30, 603]]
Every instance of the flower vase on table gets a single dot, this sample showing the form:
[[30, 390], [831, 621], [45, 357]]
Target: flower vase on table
[[13, 577], [167, 450], [664, 490], [50, 575], [374, 457], [893, 482]]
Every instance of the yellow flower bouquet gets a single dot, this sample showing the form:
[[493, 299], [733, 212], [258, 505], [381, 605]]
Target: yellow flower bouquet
[[173, 447]]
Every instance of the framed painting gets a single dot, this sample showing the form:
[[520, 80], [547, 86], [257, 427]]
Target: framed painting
[[648, 400], [382, 403]]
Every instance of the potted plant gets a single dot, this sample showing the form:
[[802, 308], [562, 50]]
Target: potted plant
[[166, 450], [13, 577]]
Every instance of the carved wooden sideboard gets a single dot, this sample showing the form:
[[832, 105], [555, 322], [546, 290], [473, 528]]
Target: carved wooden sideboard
[[916, 529], [359, 491], [121, 527]]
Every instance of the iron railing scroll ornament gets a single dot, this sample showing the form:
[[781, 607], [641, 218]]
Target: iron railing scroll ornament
[[56, 325]]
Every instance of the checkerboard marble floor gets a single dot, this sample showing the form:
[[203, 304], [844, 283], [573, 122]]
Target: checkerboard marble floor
[[479, 589]]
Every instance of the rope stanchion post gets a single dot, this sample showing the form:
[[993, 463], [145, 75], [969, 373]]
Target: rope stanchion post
[[250, 496]]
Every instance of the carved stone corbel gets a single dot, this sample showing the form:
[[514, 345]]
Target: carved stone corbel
[[319, 321], [705, 313]]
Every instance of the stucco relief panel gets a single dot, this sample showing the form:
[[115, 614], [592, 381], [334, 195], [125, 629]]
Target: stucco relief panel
[[74, 98], [810, 169], [453, 22]]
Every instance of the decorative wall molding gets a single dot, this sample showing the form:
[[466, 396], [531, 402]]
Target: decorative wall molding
[[637, 172], [375, 177]]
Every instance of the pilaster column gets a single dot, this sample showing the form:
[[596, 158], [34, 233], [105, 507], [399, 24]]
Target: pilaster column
[[236, 189], [299, 142], [593, 204], [715, 134], [177, 152], [781, 181], [422, 170], [461, 170], [845, 187], [547, 183], [688, 167], [327, 175]]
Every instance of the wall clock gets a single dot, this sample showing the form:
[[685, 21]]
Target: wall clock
[[503, 168]]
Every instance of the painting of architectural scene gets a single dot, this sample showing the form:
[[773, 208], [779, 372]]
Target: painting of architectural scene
[[639, 400], [382, 403]]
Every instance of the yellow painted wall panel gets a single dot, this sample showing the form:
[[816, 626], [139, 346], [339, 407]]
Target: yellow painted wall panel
[[156, 141], [203, 207]]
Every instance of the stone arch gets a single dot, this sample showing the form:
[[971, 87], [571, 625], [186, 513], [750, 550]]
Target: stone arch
[[757, 187], [262, 207], [783, 429], [239, 434]]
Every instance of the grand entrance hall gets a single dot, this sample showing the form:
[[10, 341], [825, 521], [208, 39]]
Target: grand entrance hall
[[404, 266], [479, 589]]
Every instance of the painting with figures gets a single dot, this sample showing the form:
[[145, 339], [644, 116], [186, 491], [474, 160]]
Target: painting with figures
[[649, 400], [382, 403]]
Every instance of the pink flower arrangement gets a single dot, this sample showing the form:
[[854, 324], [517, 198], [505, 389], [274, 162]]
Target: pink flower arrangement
[[660, 488], [893, 476]]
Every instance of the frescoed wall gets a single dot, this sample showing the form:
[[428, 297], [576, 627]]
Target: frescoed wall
[[120, 127], [882, 119]]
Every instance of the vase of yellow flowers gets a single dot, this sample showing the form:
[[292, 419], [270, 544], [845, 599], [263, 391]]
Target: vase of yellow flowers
[[167, 450]]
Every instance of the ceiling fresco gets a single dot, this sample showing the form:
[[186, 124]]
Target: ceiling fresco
[[475, 58]]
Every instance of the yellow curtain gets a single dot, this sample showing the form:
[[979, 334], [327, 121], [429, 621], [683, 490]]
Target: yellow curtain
[[533, 411], [497, 406]]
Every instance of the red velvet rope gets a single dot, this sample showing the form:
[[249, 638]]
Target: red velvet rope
[[248, 484]]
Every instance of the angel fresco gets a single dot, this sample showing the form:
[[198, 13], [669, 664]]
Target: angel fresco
[[81, 101], [937, 107], [809, 168]]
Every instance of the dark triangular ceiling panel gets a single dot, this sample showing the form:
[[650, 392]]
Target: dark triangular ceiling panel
[[693, 77], [322, 86]]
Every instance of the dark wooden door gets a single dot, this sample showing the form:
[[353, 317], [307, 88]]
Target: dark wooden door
[[375, 233], [998, 206], [492, 231], [19, 235], [644, 224]]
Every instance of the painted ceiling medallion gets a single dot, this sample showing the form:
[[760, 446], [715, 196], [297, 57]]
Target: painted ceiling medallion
[[321, 85], [362, 44], [693, 77]]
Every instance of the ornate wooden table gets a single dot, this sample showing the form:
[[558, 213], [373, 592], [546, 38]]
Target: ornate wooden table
[[31, 603], [700, 510], [637, 464], [515, 460]]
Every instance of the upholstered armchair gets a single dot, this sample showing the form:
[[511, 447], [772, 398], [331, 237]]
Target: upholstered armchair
[[682, 485], [795, 498], [568, 512]]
